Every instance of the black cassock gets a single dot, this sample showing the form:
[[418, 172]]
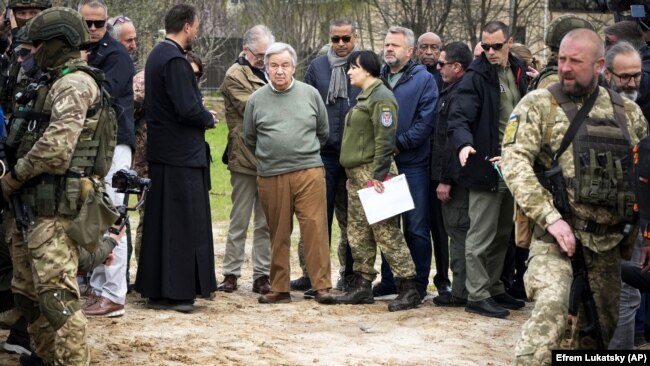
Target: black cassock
[[177, 256]]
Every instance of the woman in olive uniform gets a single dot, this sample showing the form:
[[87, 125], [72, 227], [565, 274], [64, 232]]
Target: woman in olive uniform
[[367, 156]]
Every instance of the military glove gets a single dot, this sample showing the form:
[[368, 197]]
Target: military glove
[[9, 185]]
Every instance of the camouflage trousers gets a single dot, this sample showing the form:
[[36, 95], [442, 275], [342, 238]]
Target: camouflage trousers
[[548, 282], [341, 213], [44, 284], [365, 238]]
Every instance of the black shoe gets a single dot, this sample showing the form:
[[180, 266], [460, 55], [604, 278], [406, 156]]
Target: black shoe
[[344, 283], [408, 297], [443, 289], [517, 292], [383, 289], [508, 301], [31, 360], [487, 307], [182, 306], [309, 294], [448, 300], [301, 284]]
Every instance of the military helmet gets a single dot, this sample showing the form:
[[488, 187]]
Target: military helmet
[[21, 36], [562, 25], [37, 4], [59, 22]]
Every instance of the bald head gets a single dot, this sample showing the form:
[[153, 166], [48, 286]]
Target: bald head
[[580, 61], [429, 46], [591, 38]]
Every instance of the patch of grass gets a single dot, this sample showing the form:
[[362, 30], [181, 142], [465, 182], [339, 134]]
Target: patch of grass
[[219, 174]]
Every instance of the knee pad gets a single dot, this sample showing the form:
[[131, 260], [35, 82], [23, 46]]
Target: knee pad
[[27, 307], [57, 306]]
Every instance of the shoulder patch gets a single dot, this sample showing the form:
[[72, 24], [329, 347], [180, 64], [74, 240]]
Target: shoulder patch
[[386, 117], [510, 134]]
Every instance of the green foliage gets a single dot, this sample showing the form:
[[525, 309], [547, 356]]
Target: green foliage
[[219, 174]]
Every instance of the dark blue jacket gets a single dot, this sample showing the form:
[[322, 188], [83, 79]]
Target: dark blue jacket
[[318, 75], [417, 96], [111, 57], [474, 120], [433, 70]]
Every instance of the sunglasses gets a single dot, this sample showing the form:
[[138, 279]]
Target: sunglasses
[[442, 63], [337, 39], [120, 19], [97, 23], [23, 52], [495, 46]]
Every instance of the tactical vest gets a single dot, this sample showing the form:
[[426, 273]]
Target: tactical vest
[[602, 154], [49, 194], [547, 71]]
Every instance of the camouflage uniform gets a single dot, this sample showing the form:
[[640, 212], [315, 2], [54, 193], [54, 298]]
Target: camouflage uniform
[[45, 267], [549, 274], [366, 154]]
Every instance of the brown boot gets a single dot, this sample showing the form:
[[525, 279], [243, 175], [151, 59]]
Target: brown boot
[[229, 284], [275, 298], [407, 298]]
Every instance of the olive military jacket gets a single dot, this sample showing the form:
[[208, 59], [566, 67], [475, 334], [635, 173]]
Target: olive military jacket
[[369, 134]]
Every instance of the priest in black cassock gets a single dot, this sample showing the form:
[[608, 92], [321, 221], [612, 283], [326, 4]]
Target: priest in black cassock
[[177, 258]]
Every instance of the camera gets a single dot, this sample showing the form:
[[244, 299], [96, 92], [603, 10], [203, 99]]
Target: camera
[[127, 181]]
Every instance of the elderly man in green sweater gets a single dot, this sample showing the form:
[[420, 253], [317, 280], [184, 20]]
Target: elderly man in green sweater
[[285, 124]]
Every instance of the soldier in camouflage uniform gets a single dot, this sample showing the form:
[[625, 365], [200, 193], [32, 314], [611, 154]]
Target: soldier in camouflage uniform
[[367, 156], [45, 266], [549, 274], [556, 30]]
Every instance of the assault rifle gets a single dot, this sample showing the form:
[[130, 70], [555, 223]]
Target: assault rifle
[[22, 212], [581, 292]]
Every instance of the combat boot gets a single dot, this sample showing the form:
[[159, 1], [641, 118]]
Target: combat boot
[[359, 292], [407, 298]]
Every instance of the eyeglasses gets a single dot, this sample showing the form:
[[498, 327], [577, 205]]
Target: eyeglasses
[[337, 39], [625, 78], [258, 56], [120, 19], [495, 46], [425, 47], [97, 23]]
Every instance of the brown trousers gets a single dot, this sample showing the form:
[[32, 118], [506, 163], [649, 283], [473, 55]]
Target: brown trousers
[[302, 192]]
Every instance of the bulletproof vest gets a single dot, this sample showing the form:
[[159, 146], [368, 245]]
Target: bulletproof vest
[[47, 194], [602, 153]]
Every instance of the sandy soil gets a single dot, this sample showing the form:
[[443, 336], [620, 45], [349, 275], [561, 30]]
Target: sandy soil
[[233, 329]]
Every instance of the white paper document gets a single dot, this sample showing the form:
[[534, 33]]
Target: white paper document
[[395, 200]]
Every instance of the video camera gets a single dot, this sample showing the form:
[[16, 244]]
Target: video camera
[[638, 10], [128, 182]]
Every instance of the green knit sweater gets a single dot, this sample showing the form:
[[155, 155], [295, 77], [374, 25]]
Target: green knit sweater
[[285, 129]]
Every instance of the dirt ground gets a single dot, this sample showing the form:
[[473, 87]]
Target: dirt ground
[[233, 329]]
